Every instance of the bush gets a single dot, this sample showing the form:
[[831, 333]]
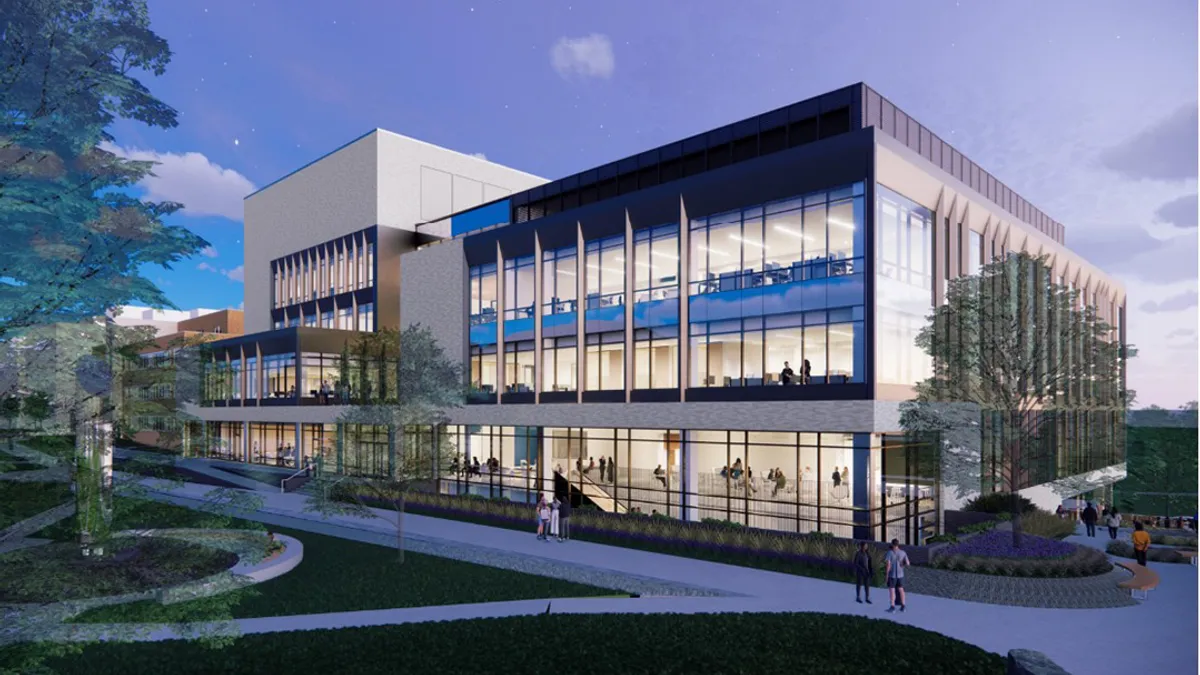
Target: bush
[[1169, 540], [942, 539], [717, 522], [998, 502], [978, 528], [999, 544], [1124, 549], [1043, 524], [1082, 562]]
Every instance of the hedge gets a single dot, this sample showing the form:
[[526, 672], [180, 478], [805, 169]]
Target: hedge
[[1124, 549]]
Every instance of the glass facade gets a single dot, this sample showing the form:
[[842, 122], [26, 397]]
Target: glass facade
[[903, 287]]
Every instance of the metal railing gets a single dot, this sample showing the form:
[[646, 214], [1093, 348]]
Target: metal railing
[[283, 483]]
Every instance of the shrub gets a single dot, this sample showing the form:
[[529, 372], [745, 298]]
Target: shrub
[[1043, 524], [942, 539], [1177, 542], [1000, 545], [1082, 562], [717, 522], [977, 528], [997, 502], [1124, 549]]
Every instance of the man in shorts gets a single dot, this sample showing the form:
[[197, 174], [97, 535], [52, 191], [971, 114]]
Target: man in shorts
[[895, 560]]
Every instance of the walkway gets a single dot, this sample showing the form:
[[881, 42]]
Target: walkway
[[1168, 620]]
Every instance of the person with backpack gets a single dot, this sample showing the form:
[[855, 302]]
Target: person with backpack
[[1114, 523], [863, 572], [895, 560]]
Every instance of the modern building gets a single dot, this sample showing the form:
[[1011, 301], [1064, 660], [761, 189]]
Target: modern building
[[628, 330], [164, 321]]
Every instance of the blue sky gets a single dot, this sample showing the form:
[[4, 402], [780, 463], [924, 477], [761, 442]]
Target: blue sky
[[1087, 109]]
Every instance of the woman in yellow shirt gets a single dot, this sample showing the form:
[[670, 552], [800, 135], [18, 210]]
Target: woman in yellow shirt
[[1141, 543]]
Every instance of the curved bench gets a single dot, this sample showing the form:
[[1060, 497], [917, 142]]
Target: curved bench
[[1144, 579], [1187, 553]]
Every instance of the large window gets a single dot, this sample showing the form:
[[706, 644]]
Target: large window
[[327, 319], [251, 378], [559, 281], [903, 287], [518, 367], [605, 273], [605, 365], [905, 240], [345, 317], [519, 286], [483, 368], [656, 358], [810, 237], [818, 347], [366, 317], [656, 263], [559, 359], [235, 378], [975, 254], [279, 375], [483, 293]]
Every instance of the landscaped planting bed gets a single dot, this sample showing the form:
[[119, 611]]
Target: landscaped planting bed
[[62, 447], [603, 643], [818, 556], [1124, 549], [1178, 541], [21, 500], [993, 553], [58, 571]]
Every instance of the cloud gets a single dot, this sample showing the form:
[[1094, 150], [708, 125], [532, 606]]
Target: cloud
[[1175, 303], [1134, 253], [190, 178], [209, 252], [1181, 332], [1165, 150], [479, 155], [1179, 212], [1109, 249], [590, 56], [237, 274]]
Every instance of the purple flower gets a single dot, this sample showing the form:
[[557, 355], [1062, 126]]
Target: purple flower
[[999, 544]]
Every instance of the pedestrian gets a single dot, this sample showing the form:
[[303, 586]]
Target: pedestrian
[[1141, 543], [603, 468], [1114, 523], [1059, 511], [564, 519], [1089, 519], [896, 560], [863, 572], [544, 518], [537, 516], [554, 518]]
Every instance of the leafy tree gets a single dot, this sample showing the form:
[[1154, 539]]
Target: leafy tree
[[10, 410], [1015, 361], [1161, 461], [428, 384], [37, 407]]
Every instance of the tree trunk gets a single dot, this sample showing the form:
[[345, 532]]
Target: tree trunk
[[1016, 519], [399, 504]]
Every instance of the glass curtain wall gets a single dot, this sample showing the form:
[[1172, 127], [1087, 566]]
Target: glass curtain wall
[[656, 308], [273, 444], [605, 318], [495, 462], [483, 333], [903, 287]]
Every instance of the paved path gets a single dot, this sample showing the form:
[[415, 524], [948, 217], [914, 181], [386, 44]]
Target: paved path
[[1167, 622]]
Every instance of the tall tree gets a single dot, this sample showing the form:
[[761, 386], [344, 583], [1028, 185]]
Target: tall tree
[[428, 384], [74, 239], [1020, 368], [37, 407]]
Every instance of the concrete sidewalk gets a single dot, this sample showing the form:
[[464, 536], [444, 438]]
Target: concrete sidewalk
[[1165, 626]]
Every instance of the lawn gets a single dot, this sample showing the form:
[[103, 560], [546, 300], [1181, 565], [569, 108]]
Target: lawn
[[340, 575], [19, 501], [613, 643]]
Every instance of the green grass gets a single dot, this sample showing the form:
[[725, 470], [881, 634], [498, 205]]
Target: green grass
[[62, 447], [612, 643], [336, 575], [19, 501]]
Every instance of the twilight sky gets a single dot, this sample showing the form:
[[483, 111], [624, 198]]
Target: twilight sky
[[1086, 108]]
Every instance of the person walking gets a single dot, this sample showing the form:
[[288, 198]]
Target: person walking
[[1141, 543], [1089, 519], [554, 518], [863, 571], [537, 515], [1114, 523], [895, 560], [544, 520], [564, 519]]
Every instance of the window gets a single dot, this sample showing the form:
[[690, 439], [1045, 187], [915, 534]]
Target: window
[[559, 358], [361, 274], [371, 264], [559, 283], [366, 317], [327, 319], [293, 322], [278, 324], [754, 352], [903, 285], [310, 320], [975, 254], [656, 263], [341, 270], [251, 377], [605, 365], [656, 358], [518, 367], [235, 379], [905, 239], [279, 375], [519, 288], [605, 272], [483, 293], [483, 368], [345, 318]]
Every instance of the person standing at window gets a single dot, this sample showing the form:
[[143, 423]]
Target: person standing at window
[[837, 477], [785, 375], [603, 467], [805, 372]]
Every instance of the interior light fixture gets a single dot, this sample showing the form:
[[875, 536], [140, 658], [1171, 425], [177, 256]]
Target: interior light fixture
[[664, 254], [745, 241], [791, 232], [713, 250], [840, 223]]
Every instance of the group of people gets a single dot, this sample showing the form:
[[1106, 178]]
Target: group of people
[[1112, 519], [472, 467], [895, 560], [608, 468], [337, 391], [553, 518], [787, 375]]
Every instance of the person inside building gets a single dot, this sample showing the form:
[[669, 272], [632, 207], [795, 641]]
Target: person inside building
[[780, 482], [805, 372], [661, 475], [786, 375]]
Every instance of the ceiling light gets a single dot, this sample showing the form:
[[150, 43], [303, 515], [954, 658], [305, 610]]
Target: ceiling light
[[713, 250], [841, 223], [745, 241], [664, 254]]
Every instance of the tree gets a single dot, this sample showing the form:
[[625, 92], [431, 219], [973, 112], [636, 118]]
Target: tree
[[1019, 369], [1161, 462], [37, 408], [10, 410], [428, 384]]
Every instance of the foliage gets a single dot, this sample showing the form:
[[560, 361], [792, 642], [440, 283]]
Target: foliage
[[1161, 457], [61, 447], [36, 407], [600, 643], [976, 528], [1042, 524], [998, 544], [1082, 562], [21, 500], [806, 555], [998, 502], [75, 241], [1013, 357], [1175, 541], [1124, 549], [942, 539], [57, 572], [341, 575], [719, 522]]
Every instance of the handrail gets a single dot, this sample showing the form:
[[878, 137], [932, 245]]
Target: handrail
[[283, 483]]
